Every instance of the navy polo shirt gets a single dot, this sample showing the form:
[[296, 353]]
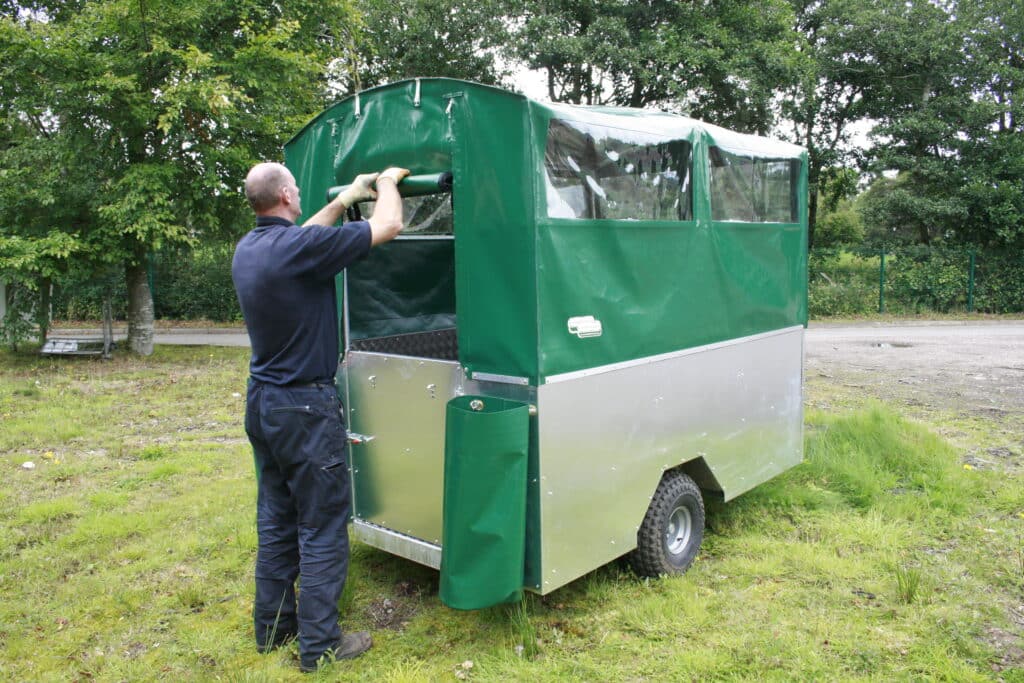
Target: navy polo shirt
[[284, 278]]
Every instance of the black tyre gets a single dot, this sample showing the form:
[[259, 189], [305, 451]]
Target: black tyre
[[670, 536]]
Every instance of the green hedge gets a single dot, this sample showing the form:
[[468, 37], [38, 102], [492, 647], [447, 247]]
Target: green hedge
[[917, 280], [196, 285], [187, 285], [841, 283]]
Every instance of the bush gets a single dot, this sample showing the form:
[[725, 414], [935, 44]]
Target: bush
[[841, 283], [78, 295], [999, 282], [920, 279], [187, 285], [196, 285]]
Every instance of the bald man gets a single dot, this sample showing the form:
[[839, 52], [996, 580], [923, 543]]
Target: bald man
[[284, 278]]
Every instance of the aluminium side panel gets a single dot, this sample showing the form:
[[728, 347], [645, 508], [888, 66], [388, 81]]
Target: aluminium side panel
[[607, 434]]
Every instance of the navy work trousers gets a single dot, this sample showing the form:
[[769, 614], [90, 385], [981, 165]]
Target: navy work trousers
[[302, 511]]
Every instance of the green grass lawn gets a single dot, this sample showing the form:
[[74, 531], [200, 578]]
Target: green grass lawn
[[126, 553]]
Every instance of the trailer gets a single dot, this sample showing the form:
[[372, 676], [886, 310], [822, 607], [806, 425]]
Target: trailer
[[593, 320]]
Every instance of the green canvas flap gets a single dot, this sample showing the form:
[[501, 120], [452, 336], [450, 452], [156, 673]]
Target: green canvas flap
[[484, 527]]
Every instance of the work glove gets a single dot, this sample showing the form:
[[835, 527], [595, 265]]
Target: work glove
[[394, 173], [360, 190]]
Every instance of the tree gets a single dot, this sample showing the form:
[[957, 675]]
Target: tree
[[896, 213], [947, 105], [719, 61], [834, 73], [143, 116], [994, 191], [452, 38], [28, 267]]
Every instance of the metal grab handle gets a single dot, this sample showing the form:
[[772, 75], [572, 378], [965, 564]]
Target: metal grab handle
[[411, 186]]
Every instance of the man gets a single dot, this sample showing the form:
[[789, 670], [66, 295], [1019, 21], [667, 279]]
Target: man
[[284, 277]]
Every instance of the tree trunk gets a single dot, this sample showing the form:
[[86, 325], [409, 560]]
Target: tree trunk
[[140, 307], [43, 312]]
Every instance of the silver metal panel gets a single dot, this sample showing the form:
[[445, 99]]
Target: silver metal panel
[[397, 405], [398, 544], [398, 476], [600, 369], [606, 437]]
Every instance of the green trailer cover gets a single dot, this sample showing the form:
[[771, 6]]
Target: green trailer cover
[[484, 528], [521, 270]]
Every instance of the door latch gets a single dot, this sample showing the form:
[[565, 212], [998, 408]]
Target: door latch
[[584, 326]]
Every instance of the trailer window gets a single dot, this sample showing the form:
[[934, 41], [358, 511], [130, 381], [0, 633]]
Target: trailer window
[[599, 172], [753, 190], [425, 215]]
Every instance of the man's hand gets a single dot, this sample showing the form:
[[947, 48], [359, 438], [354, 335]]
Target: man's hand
[[360, 190], [394, 173], [386, 221]]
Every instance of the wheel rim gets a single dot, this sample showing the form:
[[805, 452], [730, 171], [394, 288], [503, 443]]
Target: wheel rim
[[680, 527]]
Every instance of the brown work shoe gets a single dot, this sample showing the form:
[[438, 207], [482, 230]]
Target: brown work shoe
[[352, 645]]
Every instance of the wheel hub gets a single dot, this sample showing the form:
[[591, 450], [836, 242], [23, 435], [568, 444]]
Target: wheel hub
[[680, 526]]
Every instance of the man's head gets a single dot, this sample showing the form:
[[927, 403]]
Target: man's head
[[271, 191]]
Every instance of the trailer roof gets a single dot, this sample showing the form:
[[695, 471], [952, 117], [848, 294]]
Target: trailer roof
[[672, 125], [648, 121]]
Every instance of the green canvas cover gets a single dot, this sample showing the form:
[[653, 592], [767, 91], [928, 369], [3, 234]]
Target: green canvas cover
[[690, 234], [484, 527]]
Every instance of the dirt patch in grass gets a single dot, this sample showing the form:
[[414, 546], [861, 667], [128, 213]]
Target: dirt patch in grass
[[395, 611]]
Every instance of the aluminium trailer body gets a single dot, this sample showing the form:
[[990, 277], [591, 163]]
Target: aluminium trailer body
[[603, 299]]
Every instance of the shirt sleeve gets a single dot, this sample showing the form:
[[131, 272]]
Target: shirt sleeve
[[328, 250]]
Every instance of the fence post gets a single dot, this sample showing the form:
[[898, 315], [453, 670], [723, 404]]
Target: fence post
[[881, 281], [970, 285]]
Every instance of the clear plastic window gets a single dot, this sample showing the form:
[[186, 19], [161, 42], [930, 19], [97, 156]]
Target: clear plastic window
[[424, 215], [598, 172], [753, 190]]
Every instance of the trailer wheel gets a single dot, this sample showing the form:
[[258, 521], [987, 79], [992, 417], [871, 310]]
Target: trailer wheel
[[670, 536]]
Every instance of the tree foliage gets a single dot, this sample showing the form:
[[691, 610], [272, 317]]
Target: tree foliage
[[721, 61], [451, 38], [129, 124], [947, 108], [126, 126]]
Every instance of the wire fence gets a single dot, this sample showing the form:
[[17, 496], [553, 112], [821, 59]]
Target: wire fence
[[914, 280]]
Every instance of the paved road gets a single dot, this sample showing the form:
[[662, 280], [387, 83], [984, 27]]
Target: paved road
[[212, 336], [960, 366]]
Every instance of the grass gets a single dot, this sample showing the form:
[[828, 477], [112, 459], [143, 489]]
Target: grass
[[127, 554]]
